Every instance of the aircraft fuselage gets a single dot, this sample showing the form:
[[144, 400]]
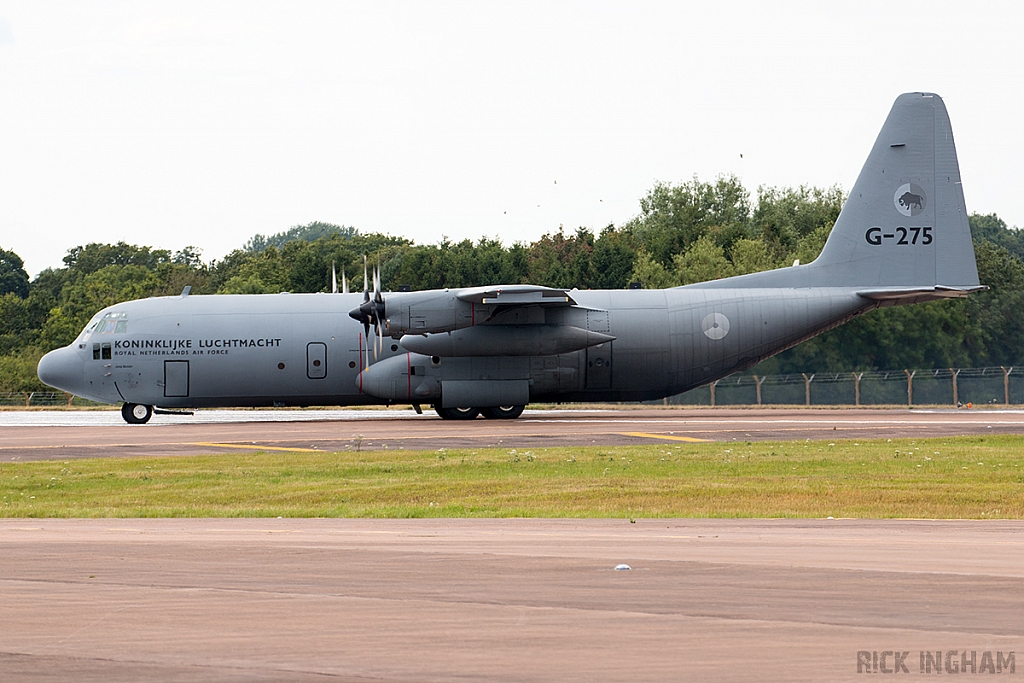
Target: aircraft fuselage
[[305, 350]]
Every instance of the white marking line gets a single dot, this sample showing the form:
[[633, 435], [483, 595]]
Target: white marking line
[[112, 418], [822, 421]]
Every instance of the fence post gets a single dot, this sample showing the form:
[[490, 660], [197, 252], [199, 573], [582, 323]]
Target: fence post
[[712, 385], [956, 393], [757, 383], [856, 387], [1006, 383], [807, 388], [910, 386]]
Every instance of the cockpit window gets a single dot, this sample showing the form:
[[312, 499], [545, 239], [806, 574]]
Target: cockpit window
[[89, 328], [109, 323]]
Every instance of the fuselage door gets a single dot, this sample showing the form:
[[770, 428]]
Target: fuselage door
[[316, 360], [599, 358], [176, 378], [599, 366]]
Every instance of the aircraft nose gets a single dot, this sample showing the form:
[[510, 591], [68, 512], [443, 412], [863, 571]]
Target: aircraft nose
[[61, 369]]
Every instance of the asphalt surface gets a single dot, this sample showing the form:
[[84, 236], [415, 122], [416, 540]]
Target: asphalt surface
[[65, 435], [497, 600], [503, 600]]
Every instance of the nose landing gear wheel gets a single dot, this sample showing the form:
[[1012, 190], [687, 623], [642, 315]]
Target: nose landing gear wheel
[[503, 412], [456, 413], [136, 414]]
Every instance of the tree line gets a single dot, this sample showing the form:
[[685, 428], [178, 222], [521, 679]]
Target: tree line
[[684, 232]]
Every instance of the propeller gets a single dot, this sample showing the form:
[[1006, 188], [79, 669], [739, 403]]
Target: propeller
[[378, 303], [334, 279], [371, 312]]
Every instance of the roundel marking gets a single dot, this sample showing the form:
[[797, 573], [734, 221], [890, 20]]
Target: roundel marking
[[909, 199], [715, 326]]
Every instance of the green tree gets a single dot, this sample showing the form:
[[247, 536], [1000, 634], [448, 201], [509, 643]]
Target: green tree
[[992, 228], [613, 259], [751, 256], [703, 261], [995, 314], [809, 246], [94, 256], [672, 217], [310, 232], [13, 278], [650, 273], [18, 373], [785, 215], [83, 298], [262, 272], [557, 260], [20, 320]]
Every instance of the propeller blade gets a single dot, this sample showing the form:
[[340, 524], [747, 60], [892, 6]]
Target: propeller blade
[[334, 278], [366, 282], [344, 282]]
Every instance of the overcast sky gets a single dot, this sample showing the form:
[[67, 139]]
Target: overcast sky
[[177, 123]]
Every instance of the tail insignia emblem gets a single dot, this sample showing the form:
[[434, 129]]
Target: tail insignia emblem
[[909, 200]]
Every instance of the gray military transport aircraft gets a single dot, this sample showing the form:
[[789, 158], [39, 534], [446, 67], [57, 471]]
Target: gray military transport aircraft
[[902, 238]]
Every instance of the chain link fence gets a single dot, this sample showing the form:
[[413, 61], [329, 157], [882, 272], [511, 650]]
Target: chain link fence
[[29, 399], [942, 386]]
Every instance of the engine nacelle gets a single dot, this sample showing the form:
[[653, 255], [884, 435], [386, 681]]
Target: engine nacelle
[[427, 312], [418, 379], [436, 311], [401, 378]]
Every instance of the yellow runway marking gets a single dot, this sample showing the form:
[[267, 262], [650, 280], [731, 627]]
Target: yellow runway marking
[[644, 435], [256, 447]]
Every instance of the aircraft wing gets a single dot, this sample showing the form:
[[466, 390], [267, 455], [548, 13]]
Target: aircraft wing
[[516, 295]]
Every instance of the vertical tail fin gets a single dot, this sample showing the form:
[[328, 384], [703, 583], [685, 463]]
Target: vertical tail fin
[[905, 222], [903, 232]]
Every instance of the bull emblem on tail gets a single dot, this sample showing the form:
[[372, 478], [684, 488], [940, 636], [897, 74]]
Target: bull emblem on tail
[[909, 200]]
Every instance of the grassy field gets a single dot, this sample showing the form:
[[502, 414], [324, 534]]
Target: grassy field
[[970, 477]]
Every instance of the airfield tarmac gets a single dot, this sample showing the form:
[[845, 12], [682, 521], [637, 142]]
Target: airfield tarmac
[[501, 600], [47, 435], [494, 600]]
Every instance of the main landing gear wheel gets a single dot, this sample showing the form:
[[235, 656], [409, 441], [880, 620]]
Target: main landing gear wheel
[[136, 414], [457, 413], [503, 412]]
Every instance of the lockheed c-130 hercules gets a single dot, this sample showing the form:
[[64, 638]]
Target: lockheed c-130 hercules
[[902, 237]]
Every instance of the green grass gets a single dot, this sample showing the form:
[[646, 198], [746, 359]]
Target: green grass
[[967, 477]]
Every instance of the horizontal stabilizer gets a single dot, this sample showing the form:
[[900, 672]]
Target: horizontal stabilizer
[[902, 295]]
